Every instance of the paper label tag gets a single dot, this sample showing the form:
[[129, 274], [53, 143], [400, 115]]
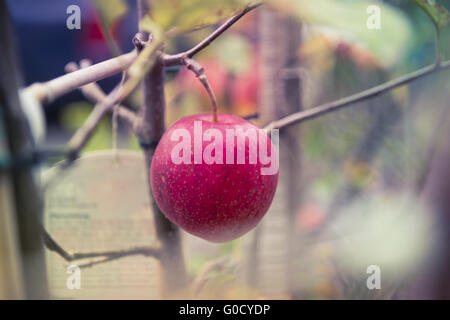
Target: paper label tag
[[101, 203]]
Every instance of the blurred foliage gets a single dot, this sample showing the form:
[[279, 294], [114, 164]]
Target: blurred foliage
[[147, 24], [110, 10], [345, 19], [187, 15], [231, 46], [388, 225], [364, 147]]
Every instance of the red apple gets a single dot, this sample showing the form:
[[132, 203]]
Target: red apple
[[218, 191]]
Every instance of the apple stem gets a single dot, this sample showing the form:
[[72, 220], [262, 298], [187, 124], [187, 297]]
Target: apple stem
[[200, 73]]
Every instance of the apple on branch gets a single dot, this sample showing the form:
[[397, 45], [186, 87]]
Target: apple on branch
[[215, 180]]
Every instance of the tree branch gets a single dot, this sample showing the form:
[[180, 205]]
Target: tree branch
[[151, 128], [49, 91], [315, 112], [178, 59]]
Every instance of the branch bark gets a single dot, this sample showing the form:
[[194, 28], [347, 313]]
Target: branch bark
[[47, 92], [151, 129]]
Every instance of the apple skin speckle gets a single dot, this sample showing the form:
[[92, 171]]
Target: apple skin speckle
[[216, 202]]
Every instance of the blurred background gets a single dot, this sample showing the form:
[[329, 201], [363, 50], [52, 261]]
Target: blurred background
[[364, 186]]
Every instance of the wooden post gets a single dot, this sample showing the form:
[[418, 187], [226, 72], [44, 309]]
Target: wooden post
[[269, 265], [25, 197], [172, 267]]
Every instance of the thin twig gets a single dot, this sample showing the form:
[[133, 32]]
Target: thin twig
[[251, 116], [52, 245], [145, 251], [315, 112], [95, 262], [84, 133], [94, 93], [178, 59], [115, 130], [116, 255], [200, 73]]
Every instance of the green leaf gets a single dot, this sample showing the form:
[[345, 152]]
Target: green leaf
[[187, 15], [438, 14], [347, 20]]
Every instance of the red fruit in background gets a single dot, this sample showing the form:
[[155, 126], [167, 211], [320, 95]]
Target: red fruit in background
[[216, 202], [310, 217], [244, 90]]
